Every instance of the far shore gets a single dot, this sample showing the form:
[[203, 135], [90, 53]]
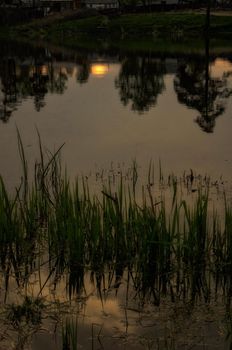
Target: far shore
[[175, 25]]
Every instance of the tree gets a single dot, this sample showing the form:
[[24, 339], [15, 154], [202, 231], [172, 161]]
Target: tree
[[198, 90], [140, 81], [35, 80], [83, 72], [8, 88]]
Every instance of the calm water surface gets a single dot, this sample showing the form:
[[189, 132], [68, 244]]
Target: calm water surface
[[110, 108], [113, 107]]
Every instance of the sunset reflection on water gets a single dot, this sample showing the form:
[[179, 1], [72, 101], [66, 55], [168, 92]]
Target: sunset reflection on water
[[99, 69]]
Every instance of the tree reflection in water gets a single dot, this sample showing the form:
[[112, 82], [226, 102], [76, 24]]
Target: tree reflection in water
[[141, 81], [35, 76], [34, 79], [8, 89], [198, 89], [83, 71], [38, 87]]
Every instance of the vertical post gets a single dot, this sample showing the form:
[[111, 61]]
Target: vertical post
[[207, 20], [206, 114], [207, 34]]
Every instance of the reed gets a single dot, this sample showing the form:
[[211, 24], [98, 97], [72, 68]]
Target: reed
[[170, 248], [69, 335]]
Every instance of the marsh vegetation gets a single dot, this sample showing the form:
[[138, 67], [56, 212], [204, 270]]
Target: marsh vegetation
[[162, 250], [128, 255]]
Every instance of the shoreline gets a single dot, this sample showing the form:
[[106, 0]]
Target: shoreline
[[174, 26]]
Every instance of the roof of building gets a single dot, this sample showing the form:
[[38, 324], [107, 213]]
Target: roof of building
[[101, 1]]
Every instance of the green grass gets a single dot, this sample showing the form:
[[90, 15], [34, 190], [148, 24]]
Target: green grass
[[156, 241], [171, 24], [123, 227]]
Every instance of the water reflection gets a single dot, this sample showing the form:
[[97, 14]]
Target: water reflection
[[37, 76], [198, 89], [99, 69], [83, 71], [87, 66], [8, 94], [127, 284], [34, 77], [140, 81]]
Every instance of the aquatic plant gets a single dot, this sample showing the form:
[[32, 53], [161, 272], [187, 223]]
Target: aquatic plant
[[161, 240], [168, 247], [69, 335]]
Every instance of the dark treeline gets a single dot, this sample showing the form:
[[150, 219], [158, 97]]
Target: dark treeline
[[17, 12], [18, 15]]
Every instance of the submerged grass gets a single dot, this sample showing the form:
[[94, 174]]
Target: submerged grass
[[177, 249], [69, 335]]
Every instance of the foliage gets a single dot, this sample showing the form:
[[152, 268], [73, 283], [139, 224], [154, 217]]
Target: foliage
[[178, 250], [140, 81], [30, 312], [198, 90], [130, 25]]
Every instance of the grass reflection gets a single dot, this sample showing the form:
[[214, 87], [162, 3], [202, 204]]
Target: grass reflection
[[152, 249]]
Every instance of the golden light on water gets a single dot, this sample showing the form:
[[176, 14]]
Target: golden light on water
[[74, 72], [99, 69], [44, 70], [64, 71], [220, 66]]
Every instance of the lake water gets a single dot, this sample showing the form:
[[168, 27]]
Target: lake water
[[110, 108]]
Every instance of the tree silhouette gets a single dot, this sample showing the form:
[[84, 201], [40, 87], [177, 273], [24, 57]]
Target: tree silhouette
[[8, 88], [35, 80], [140, 81], [197, 89], [83, 72], [39, 86], [56, 79], [42, 83]]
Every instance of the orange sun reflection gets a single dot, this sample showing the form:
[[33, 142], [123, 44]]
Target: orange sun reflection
[[220, 66], [99, 69]]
